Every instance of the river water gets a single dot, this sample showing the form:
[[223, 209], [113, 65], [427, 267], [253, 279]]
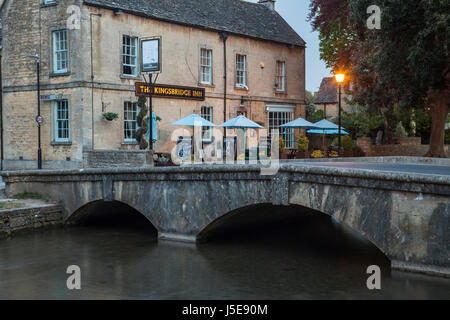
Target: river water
[[312, 258]]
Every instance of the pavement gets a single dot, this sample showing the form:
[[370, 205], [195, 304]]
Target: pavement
[[383, 167]]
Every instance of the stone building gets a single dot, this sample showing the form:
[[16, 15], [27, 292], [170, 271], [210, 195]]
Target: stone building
[[90, 60], [327, 98]]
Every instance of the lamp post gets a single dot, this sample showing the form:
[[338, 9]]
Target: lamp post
[[340, 79], [38, 117]]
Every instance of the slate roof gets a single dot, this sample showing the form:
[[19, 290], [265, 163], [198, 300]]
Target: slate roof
[[232, 16], [327, 92]]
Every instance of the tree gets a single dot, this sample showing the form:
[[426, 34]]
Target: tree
[[337, 38], [410, 57], [142, 123]]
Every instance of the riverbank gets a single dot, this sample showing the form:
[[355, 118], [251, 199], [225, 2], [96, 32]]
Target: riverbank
[[24, 213]]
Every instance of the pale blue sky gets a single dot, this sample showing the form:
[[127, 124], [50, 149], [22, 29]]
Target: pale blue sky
[[295, 13]]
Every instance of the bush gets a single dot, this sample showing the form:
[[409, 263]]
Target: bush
[[347, 143], [303, 144], [357, 152], [317, 154], [400, 131], [281, 145], [333, 154]]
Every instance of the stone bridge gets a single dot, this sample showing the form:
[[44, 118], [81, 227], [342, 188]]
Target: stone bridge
[[405, 215]]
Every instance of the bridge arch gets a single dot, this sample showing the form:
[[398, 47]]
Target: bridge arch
[[115, 213], [250, 217]]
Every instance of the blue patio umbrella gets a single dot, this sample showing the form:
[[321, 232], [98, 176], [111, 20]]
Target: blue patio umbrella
[[241, 122], [154, 128], [328, 131], [299, 123], [325, 124], [326, 127], [194, 120]]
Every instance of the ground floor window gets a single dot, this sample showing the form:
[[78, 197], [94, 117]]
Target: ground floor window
[[278, 118], [130, 121], [62, 121], [207, 114]]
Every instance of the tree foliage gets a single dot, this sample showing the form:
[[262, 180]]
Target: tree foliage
[[405, 64], [142, 122]]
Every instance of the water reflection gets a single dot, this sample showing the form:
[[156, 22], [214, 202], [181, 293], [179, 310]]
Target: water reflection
[[309, 257]]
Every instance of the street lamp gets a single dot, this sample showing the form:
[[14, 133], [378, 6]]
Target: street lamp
[[38, 118], [340, 79]]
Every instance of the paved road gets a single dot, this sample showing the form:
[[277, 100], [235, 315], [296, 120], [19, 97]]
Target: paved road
[[387, 167]]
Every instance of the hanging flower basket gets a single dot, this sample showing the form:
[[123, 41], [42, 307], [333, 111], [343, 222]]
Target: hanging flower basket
[[110, 116]]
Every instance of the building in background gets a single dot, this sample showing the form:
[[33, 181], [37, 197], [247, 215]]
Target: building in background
[[91, 60], [328, 97]]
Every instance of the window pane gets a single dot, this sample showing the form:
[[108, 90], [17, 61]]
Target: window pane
[[241, 70], [62, 125], [207, 113], [130, 121], [206, 66], [129, 56], [60, 54], [276, 119]]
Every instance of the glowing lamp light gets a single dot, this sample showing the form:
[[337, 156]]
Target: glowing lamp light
[[339, 77]]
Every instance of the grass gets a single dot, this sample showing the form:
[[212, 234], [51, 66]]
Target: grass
[[11, 205], [29, 195]]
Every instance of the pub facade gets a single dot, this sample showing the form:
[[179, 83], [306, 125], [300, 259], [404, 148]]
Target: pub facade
[[236, 57]]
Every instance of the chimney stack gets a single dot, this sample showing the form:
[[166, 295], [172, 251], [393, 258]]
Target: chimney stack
[[270, 4]]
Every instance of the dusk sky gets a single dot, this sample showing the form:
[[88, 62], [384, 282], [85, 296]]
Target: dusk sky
[[295, 12]]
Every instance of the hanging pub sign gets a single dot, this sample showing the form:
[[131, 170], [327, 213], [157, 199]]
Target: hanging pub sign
[[168, 91], [151, 55]]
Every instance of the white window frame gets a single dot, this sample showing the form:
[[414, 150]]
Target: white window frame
[[241, 71], [60, 48], [127, 129], [280, 76], [206, 66], [127, 53], [207, 112], [278, 115], [60, 118]]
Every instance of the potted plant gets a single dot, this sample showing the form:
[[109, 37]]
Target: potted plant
[[281, 148], [110, 116], [332, 154], [347, 145], [302, 148], [317, 154]]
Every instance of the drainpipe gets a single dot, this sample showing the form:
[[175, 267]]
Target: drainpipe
[[92, 81], [224, 37], [1, 114]]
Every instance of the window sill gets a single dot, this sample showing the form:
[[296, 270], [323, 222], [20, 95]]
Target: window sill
[[62, 74], [129, 77], [280, 92], [130, 143], [241, 88], [207, 85], [61, 143]]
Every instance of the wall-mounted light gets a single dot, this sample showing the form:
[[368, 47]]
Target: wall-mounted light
[[261, 65], [118, 12]]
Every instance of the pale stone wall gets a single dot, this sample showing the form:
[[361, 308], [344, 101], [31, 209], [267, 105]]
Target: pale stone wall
[[27, 30]]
